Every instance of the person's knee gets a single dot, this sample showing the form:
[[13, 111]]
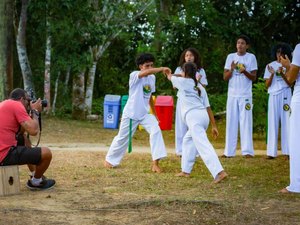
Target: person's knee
[[46, 154]]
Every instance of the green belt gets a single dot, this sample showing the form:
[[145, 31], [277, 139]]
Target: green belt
[[130, 139]]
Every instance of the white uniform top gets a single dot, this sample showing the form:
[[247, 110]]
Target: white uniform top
[[200, 75], [140, 90], [278, 84], [296, 62], [239, 85], [189, 97]]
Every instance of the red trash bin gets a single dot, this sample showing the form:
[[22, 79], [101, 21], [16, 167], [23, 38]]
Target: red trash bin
[[164, 110]]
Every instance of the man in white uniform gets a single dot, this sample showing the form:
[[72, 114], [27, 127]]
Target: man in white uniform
[[280, 95], [240, 70], [293, 75], [141, 87]]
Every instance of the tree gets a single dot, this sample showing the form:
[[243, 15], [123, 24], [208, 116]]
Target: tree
[[6, 47], [21, 47]]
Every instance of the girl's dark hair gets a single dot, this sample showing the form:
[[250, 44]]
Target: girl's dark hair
[[283, 48], [143, 58], [190, 70], [17, 94], [196, 54]]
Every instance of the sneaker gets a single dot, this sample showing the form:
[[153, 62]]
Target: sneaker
[[44, 185]]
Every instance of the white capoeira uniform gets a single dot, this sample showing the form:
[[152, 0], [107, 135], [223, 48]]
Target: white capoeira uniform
[[239, 105], [280, 95], [195, 116], [294, 129], [180, 126], [136, 109]]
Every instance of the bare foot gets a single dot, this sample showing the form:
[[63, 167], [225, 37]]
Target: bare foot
[[221, 176], [108, 165], [182, 174], [284, 191], [155, 168]]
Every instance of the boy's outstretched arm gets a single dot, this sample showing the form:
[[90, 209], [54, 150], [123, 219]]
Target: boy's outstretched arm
[[147, 72]]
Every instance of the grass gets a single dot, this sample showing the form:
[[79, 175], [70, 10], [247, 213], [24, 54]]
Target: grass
[[86, 193]]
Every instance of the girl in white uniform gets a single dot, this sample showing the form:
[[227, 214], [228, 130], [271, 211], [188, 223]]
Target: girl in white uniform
[[240, 71], [188, 55], [279, 101], [195, 112], [293, 74], [141, 86]]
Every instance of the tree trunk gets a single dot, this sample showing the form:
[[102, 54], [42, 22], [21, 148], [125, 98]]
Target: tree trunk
[[78, 106], [90, 88], [21, 48], [47, 83], [55, 93], [6, 47]]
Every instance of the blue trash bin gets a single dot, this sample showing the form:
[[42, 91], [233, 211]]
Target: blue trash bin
[[111, 114]]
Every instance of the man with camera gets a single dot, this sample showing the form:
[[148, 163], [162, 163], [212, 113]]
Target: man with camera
[[20, 114]]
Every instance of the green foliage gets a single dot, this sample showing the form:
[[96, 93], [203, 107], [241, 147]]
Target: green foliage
[[165, 28], [218, 102], [97, 107], [260, 106]]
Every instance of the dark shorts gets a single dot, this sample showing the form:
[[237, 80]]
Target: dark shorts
[[21, 155]]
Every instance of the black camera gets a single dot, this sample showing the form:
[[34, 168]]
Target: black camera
[[33, 99]]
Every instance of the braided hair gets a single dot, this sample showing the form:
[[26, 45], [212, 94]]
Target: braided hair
[[190, 70]]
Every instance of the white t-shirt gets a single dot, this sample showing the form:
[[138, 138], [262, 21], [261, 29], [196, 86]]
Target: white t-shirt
[[200, 75], [239, 85], [278, 84], [140, 90], [189, 97], [296, 62]]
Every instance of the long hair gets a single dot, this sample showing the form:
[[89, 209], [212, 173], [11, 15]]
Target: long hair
[[190, 70], [196, 54]]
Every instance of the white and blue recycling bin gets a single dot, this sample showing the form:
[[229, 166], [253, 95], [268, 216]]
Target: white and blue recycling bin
[[111, 110]]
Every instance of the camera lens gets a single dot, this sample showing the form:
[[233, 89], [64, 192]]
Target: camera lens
[[44, 103]]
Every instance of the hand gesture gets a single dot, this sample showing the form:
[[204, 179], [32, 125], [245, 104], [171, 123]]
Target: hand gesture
[[166, 71], [37, 105], [215, 132], [285, 61], [271, 69], [233, 65]]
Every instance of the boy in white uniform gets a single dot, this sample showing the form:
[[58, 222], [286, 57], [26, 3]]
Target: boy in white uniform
[[188, 55], [293, 74], [240, 70], [141, 87], [280, 95], [196, 113]]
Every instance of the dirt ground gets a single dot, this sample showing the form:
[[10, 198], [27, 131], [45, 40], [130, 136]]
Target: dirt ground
[[86, 193]]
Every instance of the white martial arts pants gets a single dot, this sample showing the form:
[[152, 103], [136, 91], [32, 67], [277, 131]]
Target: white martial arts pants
[[197, 121], [180, 129], [278, 112], [120, 142], [294, 148], [239, 112]]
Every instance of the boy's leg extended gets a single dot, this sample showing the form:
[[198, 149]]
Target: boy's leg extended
[[158, 149], [119, 144]]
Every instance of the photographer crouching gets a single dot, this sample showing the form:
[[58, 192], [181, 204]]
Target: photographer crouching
[[20, 114]]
